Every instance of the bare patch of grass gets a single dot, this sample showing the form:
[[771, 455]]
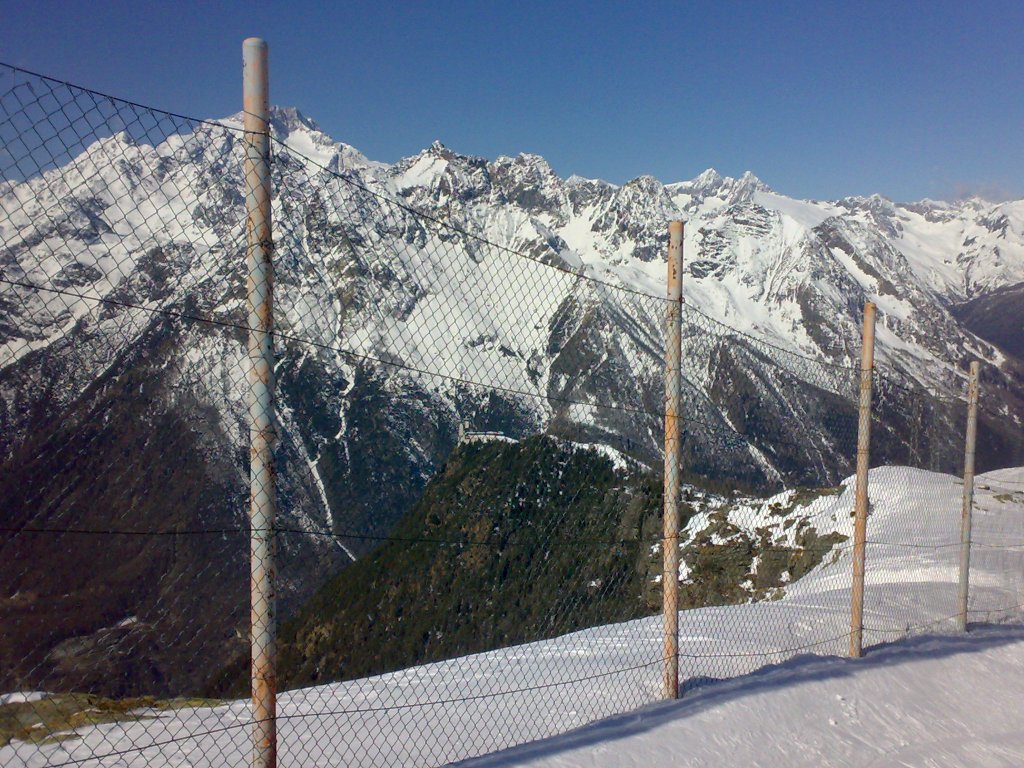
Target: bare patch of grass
[[57, 717]]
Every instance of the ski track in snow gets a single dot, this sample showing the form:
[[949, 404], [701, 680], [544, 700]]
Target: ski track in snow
[[906, 697], [930, 701]]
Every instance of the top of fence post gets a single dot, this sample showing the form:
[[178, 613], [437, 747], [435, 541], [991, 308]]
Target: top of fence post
[[255, 93]]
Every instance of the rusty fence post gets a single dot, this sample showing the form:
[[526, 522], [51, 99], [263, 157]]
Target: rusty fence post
[[673, 388], [860, 528], [259, 249], [968, 500]]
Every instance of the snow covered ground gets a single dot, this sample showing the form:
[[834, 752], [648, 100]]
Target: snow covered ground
[[916, 696], [927, 701]]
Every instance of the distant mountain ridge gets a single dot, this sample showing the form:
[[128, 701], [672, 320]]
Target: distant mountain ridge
[[531, 303]]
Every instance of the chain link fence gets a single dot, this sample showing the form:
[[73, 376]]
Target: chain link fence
[[469, 452], [124, 557]]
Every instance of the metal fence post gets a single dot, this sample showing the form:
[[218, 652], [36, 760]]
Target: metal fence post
[[860, 528], [259, 248], [968, 503], [673, 387]]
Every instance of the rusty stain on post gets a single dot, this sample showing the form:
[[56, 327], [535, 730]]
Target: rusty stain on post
[[860, 528], [968, 500], [259, 250], [673, 387]]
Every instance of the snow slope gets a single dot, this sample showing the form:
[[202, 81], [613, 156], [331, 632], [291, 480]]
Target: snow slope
[[469, 706], [929, 701]]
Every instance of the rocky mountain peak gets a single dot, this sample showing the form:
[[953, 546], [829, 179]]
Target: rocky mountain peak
[[437, 147], [440, 173], [534, 162], [749, 181], [710, 185], [645, 184], [708, 180], [582, 181], [529, 182], [286, 120], [742, 190], [878, 210]]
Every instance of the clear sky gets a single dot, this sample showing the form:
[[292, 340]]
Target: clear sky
[[819, 99]]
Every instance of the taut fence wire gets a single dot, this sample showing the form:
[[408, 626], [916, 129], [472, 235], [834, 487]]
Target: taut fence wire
[[468, 450]]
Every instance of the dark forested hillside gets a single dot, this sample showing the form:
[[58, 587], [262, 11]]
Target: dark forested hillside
[[510, 542], [513, 542]]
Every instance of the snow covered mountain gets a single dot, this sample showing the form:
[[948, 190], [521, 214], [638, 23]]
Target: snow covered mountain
[[519, 303], [794, 273]]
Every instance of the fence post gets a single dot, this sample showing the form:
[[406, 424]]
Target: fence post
[[965, 515], [860, 528], [259, 247], [673, 387]]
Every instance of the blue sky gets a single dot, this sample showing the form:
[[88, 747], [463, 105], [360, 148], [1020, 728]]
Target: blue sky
[[819, 99]]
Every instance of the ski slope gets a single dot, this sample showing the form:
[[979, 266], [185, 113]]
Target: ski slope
[[932, 701], [471, 706]]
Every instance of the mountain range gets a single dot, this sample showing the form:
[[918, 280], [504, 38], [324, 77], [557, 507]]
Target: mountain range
[[441, 295]]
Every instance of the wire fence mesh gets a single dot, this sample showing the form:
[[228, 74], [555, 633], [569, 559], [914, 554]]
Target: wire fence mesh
[[914, 537], [469, 451]]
